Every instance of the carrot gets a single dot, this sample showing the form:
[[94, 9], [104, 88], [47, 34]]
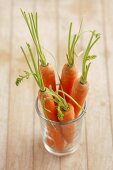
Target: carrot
[[65, 114], [79, 93], [54, 132], [47, 104], [48, 71], [69, 74], [45, 68], [69, 71], [56, 136], [80, 87], [68, 130]]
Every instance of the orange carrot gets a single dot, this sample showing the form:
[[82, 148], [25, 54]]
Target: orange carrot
[[48, 105], [69, 74], [69, 71], [79, 93], [45, 68], [48, 76], [81, 86], [54, 131], [68, 130], [56, 137]]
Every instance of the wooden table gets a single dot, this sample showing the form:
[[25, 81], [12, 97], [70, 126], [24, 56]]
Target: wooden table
[[21, 147]]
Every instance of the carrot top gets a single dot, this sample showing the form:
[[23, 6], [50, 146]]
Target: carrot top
[[87, 58], [62, 104], [32, 23], [34, 69], [71, 45]]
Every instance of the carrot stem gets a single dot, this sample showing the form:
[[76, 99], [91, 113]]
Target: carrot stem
[[32, 23], [32, 57], [71, 46], [71, 99], [69, 38], [61, 101], [36, 74], [86, 57]]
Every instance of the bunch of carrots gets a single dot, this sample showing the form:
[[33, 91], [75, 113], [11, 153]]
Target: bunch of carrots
[[61, 104]]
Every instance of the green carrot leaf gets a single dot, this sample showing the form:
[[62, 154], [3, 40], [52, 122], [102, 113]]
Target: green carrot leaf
[[60, 114], [87, 58], [69, 37], [43, 105], [91, 57], [72, 44], [20, 78]]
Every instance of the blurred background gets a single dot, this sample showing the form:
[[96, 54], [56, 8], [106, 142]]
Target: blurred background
[[20, 144]]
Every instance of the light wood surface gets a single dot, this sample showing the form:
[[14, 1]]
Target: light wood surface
[[21, 146]]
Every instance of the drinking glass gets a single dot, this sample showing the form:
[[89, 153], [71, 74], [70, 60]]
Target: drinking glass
[[60, 138]]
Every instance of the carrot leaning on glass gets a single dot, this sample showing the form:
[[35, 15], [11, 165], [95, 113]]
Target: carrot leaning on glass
[[48, 71], [54, 137], [48, 105], [69, 71], [45, 68], [81, 86]]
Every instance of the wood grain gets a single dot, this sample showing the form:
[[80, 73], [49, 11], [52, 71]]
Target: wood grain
[[20, 123], [108, 37], [4, 76], [21, 146], [99, 138]]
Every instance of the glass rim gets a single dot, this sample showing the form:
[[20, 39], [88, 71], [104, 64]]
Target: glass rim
[[58, 123]]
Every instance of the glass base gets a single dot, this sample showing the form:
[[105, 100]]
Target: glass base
[[64, 153]]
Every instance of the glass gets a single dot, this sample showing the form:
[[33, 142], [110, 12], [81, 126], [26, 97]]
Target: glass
[[60, 138]]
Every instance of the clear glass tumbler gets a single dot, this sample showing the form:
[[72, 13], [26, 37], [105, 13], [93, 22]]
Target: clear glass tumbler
[[60, 138]]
